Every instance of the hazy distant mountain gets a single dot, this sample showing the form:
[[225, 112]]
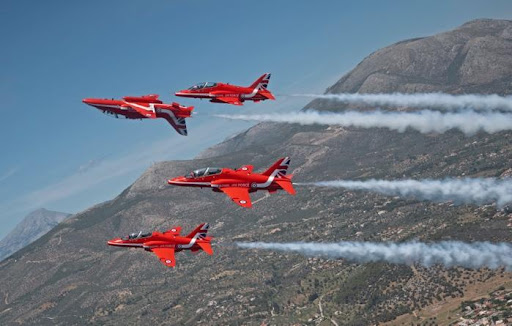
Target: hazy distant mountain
[[70, 276], [31, 228]]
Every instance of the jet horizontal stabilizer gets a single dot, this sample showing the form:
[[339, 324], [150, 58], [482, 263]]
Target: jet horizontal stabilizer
[[287, 186], [206, 246]]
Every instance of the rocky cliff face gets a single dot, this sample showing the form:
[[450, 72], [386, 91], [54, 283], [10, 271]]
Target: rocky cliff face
[[474, 57], [70, 276], [31, 228]]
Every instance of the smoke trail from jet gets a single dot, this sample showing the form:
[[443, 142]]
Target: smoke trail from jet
[[446, 253], [426, 121], [460, 191], [423, 100]]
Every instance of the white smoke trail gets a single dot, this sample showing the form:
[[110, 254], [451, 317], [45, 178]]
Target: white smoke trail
[[469, 122], [423, 100], [447, 253], [460, 191]]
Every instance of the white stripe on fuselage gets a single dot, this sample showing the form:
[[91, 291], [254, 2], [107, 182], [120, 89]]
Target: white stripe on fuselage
[[190, 244], [251, 95], [194, 94], [108, 106], [191, 183], [269, 180], [120, 244], [194, 239], [150, 108]]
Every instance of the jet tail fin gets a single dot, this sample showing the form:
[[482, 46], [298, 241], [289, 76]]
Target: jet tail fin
[[200, 231], [206, 246], [279, 168], [179, 124], [262, 82]]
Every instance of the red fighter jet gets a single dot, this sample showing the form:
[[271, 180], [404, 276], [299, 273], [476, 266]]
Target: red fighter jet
[[144, 107], [230, 94], [164, 245], [237, 184]]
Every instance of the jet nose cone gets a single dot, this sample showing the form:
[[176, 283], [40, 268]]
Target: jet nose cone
[[114, 242], [87, 101], [182, 92], [176, 180]]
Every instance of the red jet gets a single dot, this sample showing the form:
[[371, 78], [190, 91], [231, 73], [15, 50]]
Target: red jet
[[237, 184], [144, 107], [230, 94], [164, 245]]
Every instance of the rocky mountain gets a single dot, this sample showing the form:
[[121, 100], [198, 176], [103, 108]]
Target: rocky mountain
[[31, 228], [474, 58], [70, 276]]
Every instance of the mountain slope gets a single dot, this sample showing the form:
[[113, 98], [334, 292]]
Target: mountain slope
[[31, 228], [70, 276], [474, 58]]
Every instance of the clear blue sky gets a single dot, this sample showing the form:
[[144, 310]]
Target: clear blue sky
[[60, 154]]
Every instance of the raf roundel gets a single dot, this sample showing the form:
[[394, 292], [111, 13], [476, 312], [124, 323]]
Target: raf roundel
[[243, 202]]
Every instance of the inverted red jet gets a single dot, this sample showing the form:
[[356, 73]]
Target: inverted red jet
[[144, 107], [165, 244], [237, 184], [230, 94]]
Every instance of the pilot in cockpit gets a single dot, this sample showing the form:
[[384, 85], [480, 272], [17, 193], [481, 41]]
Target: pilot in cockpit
[[197, 86], [202, 85], [203, 172], [137, 235]]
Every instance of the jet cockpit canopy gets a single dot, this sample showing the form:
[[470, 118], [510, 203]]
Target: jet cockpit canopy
[[137, 235], [204, 172], [202, 85]]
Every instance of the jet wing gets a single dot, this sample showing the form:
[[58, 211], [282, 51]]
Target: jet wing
[[246, 168], [179, 124], [238, 195], [148, 112], [166, 256], [229, 100]]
